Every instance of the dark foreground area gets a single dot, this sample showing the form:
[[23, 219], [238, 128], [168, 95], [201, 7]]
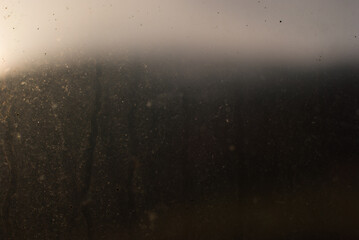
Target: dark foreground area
[[140, 151]]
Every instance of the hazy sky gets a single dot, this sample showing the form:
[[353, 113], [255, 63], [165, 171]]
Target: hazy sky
[[301, 30]]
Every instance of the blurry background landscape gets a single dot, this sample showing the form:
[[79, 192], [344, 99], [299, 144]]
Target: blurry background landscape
[[179, 120]]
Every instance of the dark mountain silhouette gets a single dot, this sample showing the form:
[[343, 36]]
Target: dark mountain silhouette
[[138, 150]]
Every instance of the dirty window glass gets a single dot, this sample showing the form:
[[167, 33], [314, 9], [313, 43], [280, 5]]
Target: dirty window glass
[[179, 119]]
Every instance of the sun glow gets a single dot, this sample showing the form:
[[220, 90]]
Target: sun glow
[[2, 61], [5, 60]]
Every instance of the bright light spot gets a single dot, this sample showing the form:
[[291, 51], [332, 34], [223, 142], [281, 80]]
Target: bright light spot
[[3, 63]]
